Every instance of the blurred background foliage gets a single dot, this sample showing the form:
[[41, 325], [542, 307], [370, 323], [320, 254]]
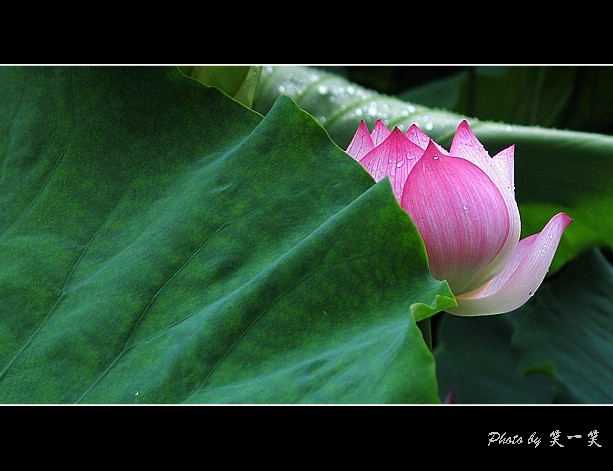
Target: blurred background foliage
[[564, 97]]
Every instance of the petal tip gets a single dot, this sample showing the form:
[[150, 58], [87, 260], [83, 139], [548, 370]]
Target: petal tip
[[561, 220], [380, 123], [566, 219], [464, 127], [431, 147]]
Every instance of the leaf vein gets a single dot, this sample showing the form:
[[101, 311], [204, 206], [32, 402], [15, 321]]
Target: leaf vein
[[67, 279], [41, 189], [242, 334], [126, 347]]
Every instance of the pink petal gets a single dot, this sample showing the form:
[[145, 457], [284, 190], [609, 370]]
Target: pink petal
[[417, 136], [361, 144], [500, 170], [466, 145], [503, 161], [520, 278], [394, 157], [461, 216], [380, 132]]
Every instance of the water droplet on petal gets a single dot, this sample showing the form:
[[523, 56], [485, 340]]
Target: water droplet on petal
[[399, 163], [531, 293], [436, 157], [464, 207]]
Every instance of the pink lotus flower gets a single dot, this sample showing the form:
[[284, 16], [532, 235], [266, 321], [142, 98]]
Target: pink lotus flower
[[463, 204]]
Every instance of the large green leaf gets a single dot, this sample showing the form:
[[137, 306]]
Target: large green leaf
[[554, 170], [568, 331], [161, 243]]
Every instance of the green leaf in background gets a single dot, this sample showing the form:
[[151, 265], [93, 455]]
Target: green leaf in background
[[444, 92], [160, 243], [239, 82], [475, 360], [557, 348], [568, 330], [572, 97], [554, 170]]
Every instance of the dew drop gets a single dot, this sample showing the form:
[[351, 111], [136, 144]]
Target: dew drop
[[372, 111], [411, 109], [429, 126], [350, 90], [550, 236], [404, 113], [531, 293], [436, 157], [508, 129], [358, 112], [464, 207], [281, 89], [136, 393], [399, 163], [322, 89]]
